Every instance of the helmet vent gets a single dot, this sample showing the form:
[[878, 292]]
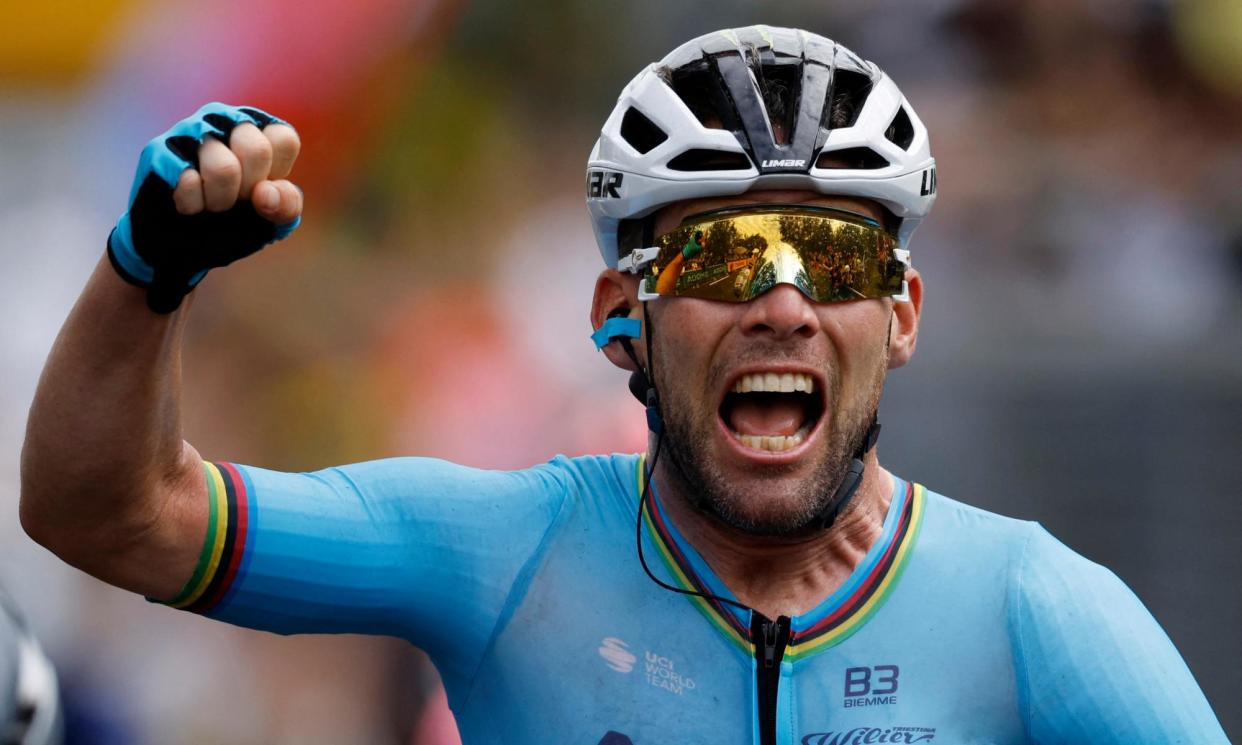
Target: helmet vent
[[700, 90], [901, 131], [709, 160], [854, 158], [779, 85], [849, 92], [640, 132]]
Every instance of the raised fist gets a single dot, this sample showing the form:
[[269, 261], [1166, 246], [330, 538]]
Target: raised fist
[[209, 191], [693, 247]]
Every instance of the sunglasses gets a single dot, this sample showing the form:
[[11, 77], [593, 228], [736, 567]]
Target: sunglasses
[[737, 254]]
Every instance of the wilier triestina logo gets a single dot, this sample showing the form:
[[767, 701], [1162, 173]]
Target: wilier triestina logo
[[869, 735]]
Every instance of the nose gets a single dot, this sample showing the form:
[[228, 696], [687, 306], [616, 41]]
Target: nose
[[782, 312]]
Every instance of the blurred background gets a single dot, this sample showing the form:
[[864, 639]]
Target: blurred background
[[1080, 363]]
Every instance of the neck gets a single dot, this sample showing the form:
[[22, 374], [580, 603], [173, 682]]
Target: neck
[[779, 575]]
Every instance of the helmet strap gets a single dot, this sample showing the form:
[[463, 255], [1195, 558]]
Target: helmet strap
[[642, 380], [853, 477], [850, 483]]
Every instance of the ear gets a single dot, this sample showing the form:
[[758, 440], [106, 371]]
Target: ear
[[615, 291], [904, 332]]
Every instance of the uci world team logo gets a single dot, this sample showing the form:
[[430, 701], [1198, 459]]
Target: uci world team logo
[[656, 669], [617, 654]]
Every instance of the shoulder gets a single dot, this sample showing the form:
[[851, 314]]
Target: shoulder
[[1049, 585], [969, 516], [614, 475], [1039, 568], [602, 480], [418, 478], [618, 471], [967, 533], [972, 550], [1050, 577], [1086, 653]]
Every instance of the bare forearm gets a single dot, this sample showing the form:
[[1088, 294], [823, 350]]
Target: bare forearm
[[103, 446], [108, 484]]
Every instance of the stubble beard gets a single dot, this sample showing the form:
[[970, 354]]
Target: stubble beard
[[687, 441]]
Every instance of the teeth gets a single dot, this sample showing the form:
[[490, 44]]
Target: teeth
[[775, 443], [774, 383]]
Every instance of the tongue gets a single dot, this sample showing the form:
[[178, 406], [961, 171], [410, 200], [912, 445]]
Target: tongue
[[775, 415]]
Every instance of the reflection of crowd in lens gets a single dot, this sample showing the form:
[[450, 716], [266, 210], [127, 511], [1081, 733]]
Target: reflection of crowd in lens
[[853, 259], [720, 240]]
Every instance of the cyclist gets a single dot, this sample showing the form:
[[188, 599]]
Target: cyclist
[[30, 710], [756, 577]]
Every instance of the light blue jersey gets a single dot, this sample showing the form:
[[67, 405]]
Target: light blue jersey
[[958, 626]]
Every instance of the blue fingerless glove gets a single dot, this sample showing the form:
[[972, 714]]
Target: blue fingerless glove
[[155, 247]]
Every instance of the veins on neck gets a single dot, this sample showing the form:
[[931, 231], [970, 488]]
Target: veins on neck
[[784, 575]]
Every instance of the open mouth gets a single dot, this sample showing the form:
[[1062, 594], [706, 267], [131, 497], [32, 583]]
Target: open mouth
[[772, 411]]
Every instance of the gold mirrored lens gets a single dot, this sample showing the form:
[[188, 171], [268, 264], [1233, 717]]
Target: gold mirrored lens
[[738, 255]]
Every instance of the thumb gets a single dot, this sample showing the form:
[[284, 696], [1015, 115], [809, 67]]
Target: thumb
[[277, 201]]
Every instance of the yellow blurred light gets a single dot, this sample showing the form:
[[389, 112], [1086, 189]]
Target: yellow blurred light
[[1210, 34], [54, 40]]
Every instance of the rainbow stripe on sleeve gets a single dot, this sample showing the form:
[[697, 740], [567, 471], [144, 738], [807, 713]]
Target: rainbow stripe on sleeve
[[227, 531]]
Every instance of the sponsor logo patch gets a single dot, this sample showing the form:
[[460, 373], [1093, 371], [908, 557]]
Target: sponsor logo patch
[[871, 686], [602, 184], [868, 735], [617, 654], [657, 670], [784, 163]]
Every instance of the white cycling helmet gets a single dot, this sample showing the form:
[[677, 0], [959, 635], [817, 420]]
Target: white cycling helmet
[[756, 108]]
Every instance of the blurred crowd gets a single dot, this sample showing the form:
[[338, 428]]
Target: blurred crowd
[[1080, 364]]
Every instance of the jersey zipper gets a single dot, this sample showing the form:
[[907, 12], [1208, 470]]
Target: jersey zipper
[[770, 639]]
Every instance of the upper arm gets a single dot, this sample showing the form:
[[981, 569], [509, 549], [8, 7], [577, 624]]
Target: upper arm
[[414, 547], [1093, 664], [146, 541]]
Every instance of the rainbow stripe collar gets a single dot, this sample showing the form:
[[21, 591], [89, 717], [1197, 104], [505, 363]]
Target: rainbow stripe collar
[[832, 621]]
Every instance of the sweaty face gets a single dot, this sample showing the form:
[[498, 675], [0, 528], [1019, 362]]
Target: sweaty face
[[766, 402]]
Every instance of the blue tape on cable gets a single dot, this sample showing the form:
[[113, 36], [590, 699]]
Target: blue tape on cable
[[616, 327]]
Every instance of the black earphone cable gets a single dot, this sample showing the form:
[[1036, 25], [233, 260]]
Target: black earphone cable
[[638, 539], [656, 423]]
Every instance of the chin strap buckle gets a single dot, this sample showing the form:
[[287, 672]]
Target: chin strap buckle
[[638, 259], [654, 422], [851, 482], [902, 255], [873, 436]]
